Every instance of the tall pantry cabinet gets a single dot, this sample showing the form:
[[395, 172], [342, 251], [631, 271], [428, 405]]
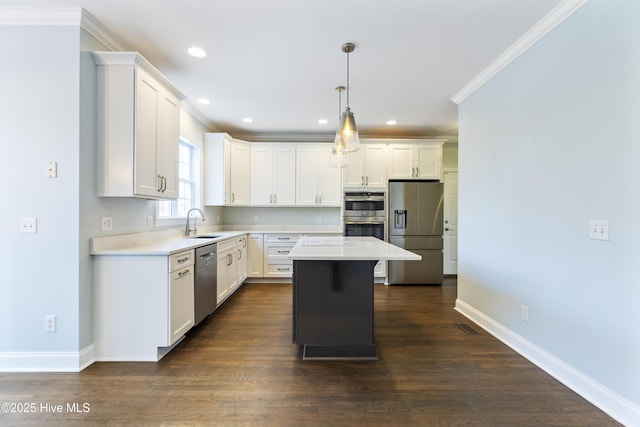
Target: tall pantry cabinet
[[138, 128]]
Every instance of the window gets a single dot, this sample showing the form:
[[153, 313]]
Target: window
[[186, 185]]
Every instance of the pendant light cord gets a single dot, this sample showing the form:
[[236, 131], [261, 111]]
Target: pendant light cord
[[347, 79]]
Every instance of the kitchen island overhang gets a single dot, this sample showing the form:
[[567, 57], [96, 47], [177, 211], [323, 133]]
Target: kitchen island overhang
[[333, 303]]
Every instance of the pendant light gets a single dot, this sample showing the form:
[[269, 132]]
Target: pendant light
[[339, 159], [347, 139]]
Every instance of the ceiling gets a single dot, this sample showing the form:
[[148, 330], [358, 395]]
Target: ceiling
[[279, 61]]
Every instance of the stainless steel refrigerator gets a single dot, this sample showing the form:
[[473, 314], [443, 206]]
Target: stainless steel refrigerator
[[415, 224]]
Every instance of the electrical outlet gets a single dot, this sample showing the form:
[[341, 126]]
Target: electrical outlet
[[28, 225], [50, 323], [107, 223], [524, 313], [599, 229]]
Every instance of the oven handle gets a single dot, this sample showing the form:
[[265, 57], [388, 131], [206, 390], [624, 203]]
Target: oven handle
[[364, 198], [363, 222]]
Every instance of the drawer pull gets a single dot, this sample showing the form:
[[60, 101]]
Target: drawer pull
[[284, 252], [184, 273], [284, 269], [181, 260], [284, 238]]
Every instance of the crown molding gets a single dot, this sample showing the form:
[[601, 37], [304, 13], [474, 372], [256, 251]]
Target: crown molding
[[196, 114], [94, 27], [538, 31]]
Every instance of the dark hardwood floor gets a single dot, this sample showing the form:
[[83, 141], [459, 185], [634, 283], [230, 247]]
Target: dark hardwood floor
[[239, 368]]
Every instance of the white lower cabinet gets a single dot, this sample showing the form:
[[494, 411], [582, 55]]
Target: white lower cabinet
[[143, 304], [255, 255], [232, 266]]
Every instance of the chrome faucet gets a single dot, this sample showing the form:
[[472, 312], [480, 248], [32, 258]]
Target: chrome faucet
[[187, 229]]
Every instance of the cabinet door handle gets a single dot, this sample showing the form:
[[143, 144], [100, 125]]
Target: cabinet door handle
[[320, 197], [159, 183], [229, 259], [417, 172], [275, 198], [362, 180], [367, 180], [239, 254], [270, 198], [233, 197]]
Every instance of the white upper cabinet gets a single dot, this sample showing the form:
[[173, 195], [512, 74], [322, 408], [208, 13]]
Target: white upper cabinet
[[367, 167], [227, 170], [138, 128], [273, 174], [416, 160], [317, 183]]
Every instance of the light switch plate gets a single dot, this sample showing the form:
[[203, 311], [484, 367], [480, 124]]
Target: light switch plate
[[52, 169], [28, 225], [599, 229]]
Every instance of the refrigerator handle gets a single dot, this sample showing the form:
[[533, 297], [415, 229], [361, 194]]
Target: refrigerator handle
[[400, 219]]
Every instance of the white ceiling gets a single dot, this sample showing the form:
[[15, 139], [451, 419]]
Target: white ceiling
[[279, 61]]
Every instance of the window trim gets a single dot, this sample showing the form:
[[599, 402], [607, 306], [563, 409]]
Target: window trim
[[196, 180]]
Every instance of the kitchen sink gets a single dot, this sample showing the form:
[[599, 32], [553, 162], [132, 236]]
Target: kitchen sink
[[205, 236]]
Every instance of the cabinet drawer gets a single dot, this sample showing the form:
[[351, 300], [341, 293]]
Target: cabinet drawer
[[227, 244], [278, 251], [283, 269], [282, 238], [181, 259]]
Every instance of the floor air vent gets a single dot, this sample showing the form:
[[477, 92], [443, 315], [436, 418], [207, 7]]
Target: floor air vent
[[467, 329]]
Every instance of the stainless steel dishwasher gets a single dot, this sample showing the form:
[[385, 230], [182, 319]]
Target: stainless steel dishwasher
[[205, 281]]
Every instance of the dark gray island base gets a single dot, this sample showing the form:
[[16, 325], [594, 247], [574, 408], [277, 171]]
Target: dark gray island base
[[333, 309]]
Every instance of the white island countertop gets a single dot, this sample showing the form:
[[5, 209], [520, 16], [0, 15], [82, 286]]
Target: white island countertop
[[349, 249]]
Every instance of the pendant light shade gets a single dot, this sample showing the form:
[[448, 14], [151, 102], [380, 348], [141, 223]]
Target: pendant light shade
[[347, 139], [339, 157]]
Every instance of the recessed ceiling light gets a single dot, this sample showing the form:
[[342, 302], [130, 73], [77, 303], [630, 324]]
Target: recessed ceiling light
[[391, 122], [204, 101], [196, 51], [247, 120], [323, 121]]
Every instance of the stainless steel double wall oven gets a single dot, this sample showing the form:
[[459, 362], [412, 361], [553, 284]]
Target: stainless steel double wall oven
[[364, 214]]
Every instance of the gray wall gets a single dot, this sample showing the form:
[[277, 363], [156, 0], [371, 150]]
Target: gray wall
[[548, 144], [50, 83], [39, 122]]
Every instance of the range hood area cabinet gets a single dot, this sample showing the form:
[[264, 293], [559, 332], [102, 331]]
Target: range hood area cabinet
[[317, 182], [227, 170], [138, 128], [273, 174]]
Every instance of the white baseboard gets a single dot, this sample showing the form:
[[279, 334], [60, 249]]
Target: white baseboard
[[59, 361], [600, 396]]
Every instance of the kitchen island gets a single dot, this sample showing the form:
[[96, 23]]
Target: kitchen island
[[333, 294]]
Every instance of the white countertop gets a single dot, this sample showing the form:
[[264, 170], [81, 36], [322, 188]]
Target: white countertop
[[349, 249], [172, 241], [165, 246]]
